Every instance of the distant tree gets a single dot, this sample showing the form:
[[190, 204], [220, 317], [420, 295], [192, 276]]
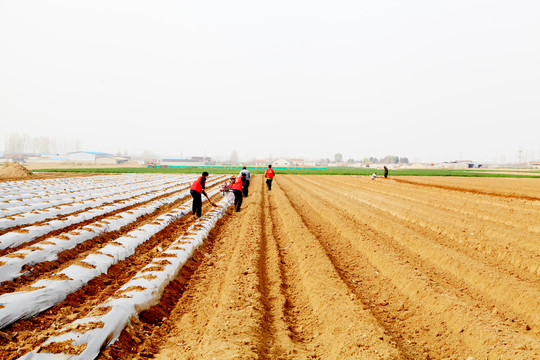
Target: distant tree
[[351, 161], [373, 160], [403, 160], [338, 157], [19, 143], [390, 159], [323, 161]]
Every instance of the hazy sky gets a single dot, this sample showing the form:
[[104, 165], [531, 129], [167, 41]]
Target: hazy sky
[[429, 80]]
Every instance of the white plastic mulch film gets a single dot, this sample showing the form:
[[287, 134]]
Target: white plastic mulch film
[[24, 304], [105, 322]]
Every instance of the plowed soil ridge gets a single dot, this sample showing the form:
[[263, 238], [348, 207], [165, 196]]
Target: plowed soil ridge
[[424, 292]]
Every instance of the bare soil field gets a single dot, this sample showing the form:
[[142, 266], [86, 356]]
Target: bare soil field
[[329, 267]]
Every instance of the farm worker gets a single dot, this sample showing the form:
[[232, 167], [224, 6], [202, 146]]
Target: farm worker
[[237, 189], [248, 177], [385, 172], [197, 189], [373, 176], [269, 177], [227, 185]]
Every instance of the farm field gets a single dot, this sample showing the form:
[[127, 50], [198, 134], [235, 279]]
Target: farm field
[[319, 267]]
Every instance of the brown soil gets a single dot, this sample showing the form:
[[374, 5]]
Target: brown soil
[[338, 267], [14, 170]]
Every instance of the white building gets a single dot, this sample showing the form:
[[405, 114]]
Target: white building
[[112, 160], [281, 163], [87, 156]]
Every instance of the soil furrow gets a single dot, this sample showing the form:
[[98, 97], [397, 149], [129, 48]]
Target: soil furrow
[[327, 305], [482, 277], [472, 191], [506, 220], [409, 276], [462, 234], [510, 212], [431, 279], [279, 322]]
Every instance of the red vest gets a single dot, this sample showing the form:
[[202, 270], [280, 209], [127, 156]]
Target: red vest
[[269, 173], [238, 184], [197, 185]]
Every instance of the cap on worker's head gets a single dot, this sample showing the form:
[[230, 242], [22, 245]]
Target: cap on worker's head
[[205, 173]]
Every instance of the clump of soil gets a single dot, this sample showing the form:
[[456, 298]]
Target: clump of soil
[[14, 170]]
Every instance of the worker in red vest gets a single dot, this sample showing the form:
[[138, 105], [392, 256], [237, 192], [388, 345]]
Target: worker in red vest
[[237, 189], [197, 189], [269, 177]]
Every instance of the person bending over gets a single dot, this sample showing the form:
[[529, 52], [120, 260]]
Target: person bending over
[[197, 189]]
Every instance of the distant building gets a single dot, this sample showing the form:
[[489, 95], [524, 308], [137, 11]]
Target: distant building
[[281, 163], [462, 164], [534, 164], [111, 160], [195, 160], [297, 162], [87, 156]]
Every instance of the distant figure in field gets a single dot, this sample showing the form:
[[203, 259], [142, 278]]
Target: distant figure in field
[[248, 177], [237, 189], [269, 176], [197, 189], [373, 176], [385, 172]]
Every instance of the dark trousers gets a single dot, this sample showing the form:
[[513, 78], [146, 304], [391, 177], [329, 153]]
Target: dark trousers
[[269, 183], [197, 202], [237, 199], [246, 186]]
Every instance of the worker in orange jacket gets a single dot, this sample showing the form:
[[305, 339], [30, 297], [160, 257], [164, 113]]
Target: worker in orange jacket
[[197, 189], [269, 175], [237, 189]]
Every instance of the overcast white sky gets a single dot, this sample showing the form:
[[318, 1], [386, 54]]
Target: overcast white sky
[[429, 80]]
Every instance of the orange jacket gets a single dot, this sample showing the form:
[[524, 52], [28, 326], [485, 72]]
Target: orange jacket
[[197, 185], [269, 173], [238, 184]]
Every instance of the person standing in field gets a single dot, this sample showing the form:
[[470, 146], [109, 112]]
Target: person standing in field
[[385, 172], [237, 189], [248, 177], [269, 176], [197, 189]]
